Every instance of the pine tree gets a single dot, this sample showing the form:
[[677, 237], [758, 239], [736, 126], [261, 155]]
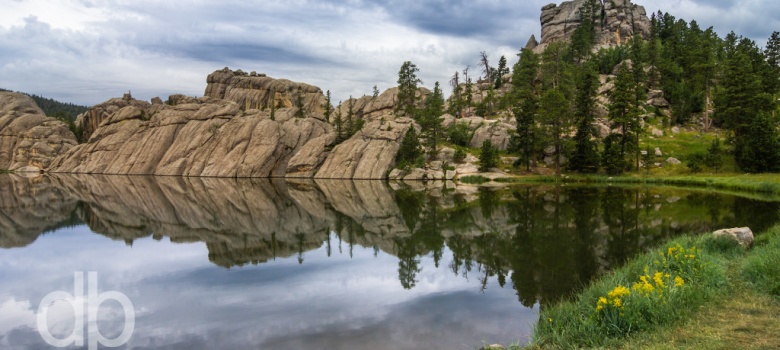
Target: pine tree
[[585, 157], [772, 77], [488, 156], [299, 113], [407, 89], [556, 70], [500, 72], [349, 123], [469, 88], [584, 37], [554, 116], [714, 158], [525, 93], [430, 119], [327, 106], [761, 150], [653, 55], [456, 100], [409, 151], [741, 96], [339, 125], [613, 161], [623, 111]]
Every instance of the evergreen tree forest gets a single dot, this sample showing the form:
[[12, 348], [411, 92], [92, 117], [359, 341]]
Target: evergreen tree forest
[[726, 89]]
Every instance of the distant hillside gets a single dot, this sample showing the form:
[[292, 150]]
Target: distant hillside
[[57, 109]]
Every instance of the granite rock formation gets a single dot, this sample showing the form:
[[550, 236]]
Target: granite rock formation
[[258, 91], [620, 22], [192, 137], [29, 140]]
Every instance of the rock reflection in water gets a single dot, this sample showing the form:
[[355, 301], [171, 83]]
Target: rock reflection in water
[[547, 241]]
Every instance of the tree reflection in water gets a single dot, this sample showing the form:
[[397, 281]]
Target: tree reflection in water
[[548, 241]]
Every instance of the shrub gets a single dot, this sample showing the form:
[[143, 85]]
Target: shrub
[[488, 158], [459, 156], [695, 162], [410, 151], [459, 134]]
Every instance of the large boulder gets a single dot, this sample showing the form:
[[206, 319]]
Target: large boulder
[[29, 139], [742, 235], [496, 132]]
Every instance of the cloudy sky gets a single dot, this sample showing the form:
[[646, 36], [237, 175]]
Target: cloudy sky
[[86, 51]]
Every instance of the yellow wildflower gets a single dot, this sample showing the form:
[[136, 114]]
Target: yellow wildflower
[[678, 281], [658, 278], [617, 302], [618, 292], [601, 303]]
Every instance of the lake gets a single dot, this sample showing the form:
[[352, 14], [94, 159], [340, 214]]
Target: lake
[[255, 263]]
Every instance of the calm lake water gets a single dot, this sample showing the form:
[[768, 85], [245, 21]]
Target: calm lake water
[[261, 264]]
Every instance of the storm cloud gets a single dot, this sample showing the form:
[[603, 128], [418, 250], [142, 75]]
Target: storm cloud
[[86, 51]]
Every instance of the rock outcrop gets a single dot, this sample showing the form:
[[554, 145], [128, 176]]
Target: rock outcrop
[[620, 21], [29, 140], [369, 154], [258, 91], [90, 120], [193, 137]]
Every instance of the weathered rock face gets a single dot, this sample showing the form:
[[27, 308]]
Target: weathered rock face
[[28, 139], [370, 108], [194, 137], [90, 120], [369, 154], [498, 133], [621, 21], [257, 91]]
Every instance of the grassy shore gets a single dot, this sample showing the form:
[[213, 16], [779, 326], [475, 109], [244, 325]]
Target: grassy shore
[[765, 184], [695, 292]]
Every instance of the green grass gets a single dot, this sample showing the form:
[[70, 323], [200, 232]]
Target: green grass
[[765, 184], [732, 302]]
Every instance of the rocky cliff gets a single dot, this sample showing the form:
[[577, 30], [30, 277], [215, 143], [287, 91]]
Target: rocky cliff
[[248, 125], [195, 137], [258, 91], [620, 21], [28, 139]]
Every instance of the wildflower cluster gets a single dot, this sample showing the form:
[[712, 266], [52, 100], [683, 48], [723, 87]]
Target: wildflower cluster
[[622, 309], [614, 299], [679, 261], [658, 286]]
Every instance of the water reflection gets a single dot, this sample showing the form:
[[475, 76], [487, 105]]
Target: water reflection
[[541, 243]]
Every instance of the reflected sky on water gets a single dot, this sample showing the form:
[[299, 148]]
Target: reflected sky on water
[[226, 263]]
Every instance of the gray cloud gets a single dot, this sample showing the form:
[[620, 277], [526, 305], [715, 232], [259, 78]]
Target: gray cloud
[[88, 51]]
